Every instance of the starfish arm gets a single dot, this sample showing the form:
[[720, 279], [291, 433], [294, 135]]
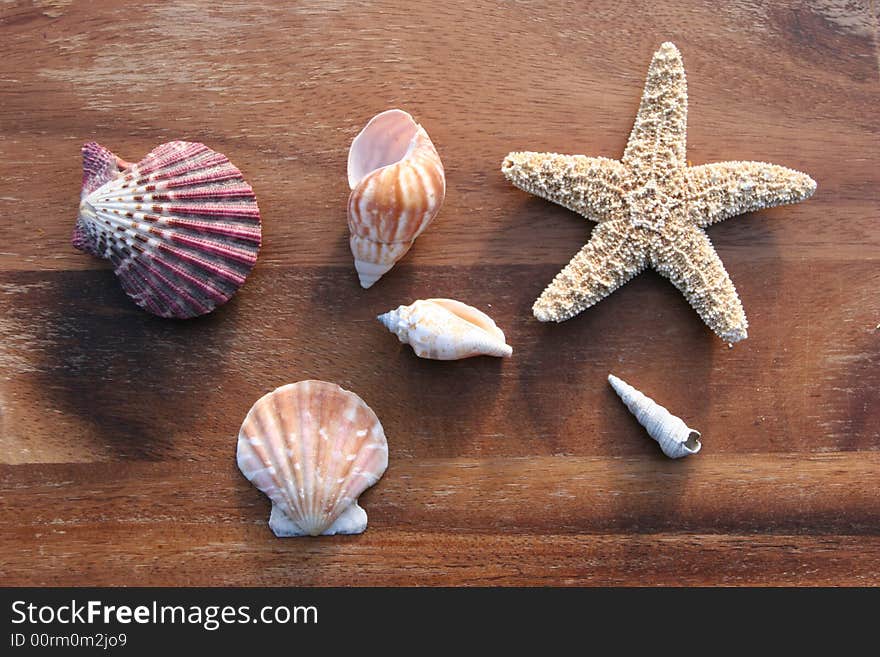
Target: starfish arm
[[605, 263], [688, 259], [590, 186], [716, 192], [658, 141]]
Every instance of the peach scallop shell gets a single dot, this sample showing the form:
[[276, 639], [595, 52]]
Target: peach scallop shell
[[313, 448], [445, 329], [181, 227], [397, 187]]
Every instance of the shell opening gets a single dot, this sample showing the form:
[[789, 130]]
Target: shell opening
[[471, 315], [384, 141], [692, 442]]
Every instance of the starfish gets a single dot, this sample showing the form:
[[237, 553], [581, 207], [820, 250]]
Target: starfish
[[652, 208]]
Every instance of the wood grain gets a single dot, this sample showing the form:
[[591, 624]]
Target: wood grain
[[117, 429]]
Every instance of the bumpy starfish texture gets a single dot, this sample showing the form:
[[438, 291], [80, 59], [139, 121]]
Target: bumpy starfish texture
[[652, 208]]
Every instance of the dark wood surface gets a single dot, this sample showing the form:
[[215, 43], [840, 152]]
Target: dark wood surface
[[117, 429]]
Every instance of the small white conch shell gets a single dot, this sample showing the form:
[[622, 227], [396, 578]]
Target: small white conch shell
[[445, 329], [313, 448], [397, 187], [676, 439]]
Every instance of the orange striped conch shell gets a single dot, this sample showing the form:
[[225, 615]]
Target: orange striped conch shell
[[397, 187]]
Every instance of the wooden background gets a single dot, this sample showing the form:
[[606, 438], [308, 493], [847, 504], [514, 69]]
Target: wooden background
[[117, 429]]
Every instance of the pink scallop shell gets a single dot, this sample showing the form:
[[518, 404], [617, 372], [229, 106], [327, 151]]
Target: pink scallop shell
[[181, 227]]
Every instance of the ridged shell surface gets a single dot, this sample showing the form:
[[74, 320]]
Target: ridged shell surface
[[181, 227], [398, 185], [675, 438], [313, 448], [446, 329]]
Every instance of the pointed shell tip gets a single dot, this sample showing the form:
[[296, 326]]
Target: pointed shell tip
[[387, 320]]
